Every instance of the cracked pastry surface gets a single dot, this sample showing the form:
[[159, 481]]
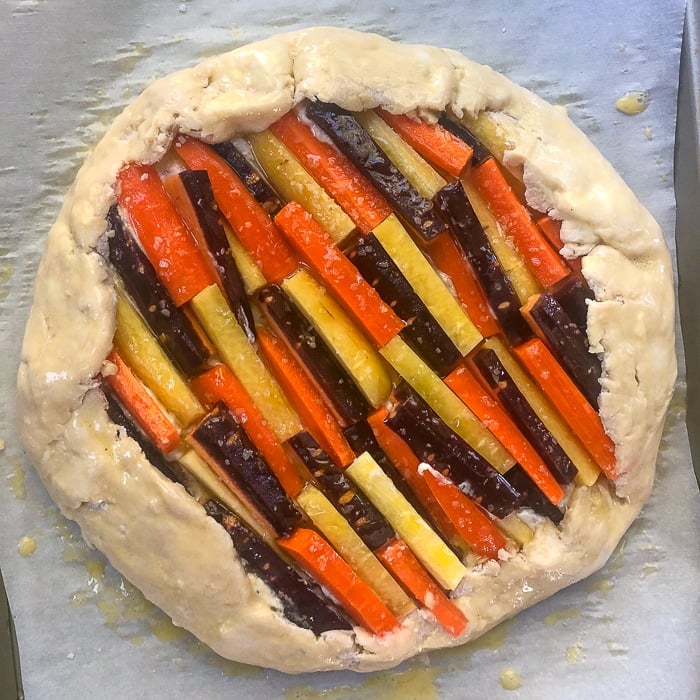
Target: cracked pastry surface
[[149, 526]]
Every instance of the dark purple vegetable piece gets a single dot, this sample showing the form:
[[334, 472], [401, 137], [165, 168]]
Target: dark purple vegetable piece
[[303, 603], [263, 193], [197, 185], [318, 359], [453, 204], [354, 142], [480, 152], [533, 496], [361, 515], [169, 323], [572, 293], [434, 442], [568, 344], [492, 370], [220, 437], [422, 332]]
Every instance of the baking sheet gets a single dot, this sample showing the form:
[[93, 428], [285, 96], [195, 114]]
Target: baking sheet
[[629, 631]]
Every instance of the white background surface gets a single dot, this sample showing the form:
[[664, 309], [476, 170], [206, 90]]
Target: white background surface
[[68, 68]]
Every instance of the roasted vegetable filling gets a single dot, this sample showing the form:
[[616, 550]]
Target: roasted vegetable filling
[[352, 341]]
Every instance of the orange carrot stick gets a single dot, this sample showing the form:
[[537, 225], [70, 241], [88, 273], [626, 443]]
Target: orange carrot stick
[[361, 300], [248, 219], [404, 566], [328, 568], [163, 235], [514, 218], [432, 141], [497, 420], [450, 259], [334, 172], [472, 523], [145, 411], [406, 463], [221, 384], [307, 401], [551, 229], [570, 402]]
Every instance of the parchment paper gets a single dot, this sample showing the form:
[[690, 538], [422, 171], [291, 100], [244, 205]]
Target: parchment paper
[[68, 67]]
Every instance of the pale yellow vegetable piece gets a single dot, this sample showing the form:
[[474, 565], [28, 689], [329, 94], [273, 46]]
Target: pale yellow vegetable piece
[[446, 403], [350, 546], [351, 347], [427, 284], [293, 182], [413, 167], [250, 273], [515, 528], [433, 553], [143, 354], [235, 350], [588, 470]]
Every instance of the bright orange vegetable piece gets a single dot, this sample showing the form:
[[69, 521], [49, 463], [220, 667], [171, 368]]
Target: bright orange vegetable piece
[[472, 523], [406, 463], [250, 222], [141, 405], [552, 229], [328, 568], [163, 235], [305, 398], [497, 420], [450, 259], [432, 141], [221, 384], [515, 220], [570, 402], [402, 563], [324, 257], [334, 172]]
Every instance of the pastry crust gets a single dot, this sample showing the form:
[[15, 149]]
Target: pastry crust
[[149, 527]]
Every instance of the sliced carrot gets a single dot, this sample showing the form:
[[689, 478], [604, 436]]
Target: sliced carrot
[[570, 402], [361, 300], [305, 398], [432, 141], [472, 523], [328, 568], [450, 259], [334, 172], [515, 220], [250, 222], [162, 233], [497, 420], [552, 230], [406, 463], [143, 408], [404, 566], [221, 384]]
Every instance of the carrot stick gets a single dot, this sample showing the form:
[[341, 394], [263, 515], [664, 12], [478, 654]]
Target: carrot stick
[[472, 523], [432, 141], [328, 568], [552, 229], [339, 274], [406, 463], [402, 563], [334, 172], [450, 259], [497, 420], [307, 401], [515, 220], [145, 411], [162, 233], [221, 384], [570, 402], [248, 219]]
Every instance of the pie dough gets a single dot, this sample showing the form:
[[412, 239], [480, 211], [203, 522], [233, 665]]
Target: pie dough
[[160, 538]]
